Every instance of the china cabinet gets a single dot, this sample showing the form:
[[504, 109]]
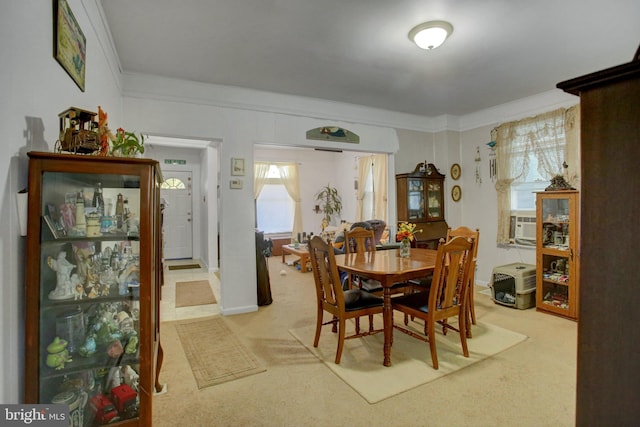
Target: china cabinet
[[557, 255], [420, 200], [92, 286]]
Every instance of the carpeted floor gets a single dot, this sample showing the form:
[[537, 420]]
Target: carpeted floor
[[529, 384], [195, 292], [361, 366], [214, 353]]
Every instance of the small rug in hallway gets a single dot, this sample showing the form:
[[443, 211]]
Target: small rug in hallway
[[184, 267], [215, 353], [361, 365], [197, 292]]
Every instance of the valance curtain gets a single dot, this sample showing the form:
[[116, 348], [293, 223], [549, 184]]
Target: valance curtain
[[553, 138]]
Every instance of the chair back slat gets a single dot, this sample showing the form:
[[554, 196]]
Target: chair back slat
[[325, 272], [359, 240], [451, 275]]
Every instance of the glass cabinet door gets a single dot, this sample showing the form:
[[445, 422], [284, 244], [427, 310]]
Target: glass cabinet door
[[415, 199], [89, 325], [434, 197], [557, 255]]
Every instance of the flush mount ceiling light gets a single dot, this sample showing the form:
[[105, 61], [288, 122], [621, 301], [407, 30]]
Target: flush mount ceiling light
[[430, 35]]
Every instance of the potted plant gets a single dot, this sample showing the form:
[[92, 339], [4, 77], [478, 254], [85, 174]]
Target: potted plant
[[127, 144], [330, 202]]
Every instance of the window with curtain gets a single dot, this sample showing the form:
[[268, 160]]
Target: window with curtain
[[530, 152], [277, 196], [372, 187]]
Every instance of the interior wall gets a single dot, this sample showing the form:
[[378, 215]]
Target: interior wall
[[35, 89]]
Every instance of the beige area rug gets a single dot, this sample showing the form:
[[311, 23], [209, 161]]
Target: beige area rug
[[361, 365], [214, 353], [197, 292]]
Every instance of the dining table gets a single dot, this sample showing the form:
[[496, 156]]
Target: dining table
[[388, 267]]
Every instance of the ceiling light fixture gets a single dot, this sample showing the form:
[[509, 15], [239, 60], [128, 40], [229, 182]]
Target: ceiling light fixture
[[430, 35]]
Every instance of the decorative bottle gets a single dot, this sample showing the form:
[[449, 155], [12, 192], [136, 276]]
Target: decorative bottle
[[98, 200]]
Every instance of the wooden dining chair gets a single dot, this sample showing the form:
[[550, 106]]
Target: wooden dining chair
[[475, 236], [360, 240], [340, 304], [446, 297]]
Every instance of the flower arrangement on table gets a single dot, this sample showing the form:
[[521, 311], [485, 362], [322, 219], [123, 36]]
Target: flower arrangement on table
[[406, 230]]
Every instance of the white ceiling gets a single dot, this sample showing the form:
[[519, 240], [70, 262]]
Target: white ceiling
[[357, 51]]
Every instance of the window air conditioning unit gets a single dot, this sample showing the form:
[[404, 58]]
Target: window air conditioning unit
[[523, 228]]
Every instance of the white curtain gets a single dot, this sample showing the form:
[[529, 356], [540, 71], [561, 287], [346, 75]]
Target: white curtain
[[543, 136], [374, 166], [291, 181], [364, 169], [380, 186], [260, 171]]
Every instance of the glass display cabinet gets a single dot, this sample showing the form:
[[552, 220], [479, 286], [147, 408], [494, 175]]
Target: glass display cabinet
[[92, 287], [420, 200], [557, 255]]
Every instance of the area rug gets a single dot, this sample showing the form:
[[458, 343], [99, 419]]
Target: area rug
[[184, 267], [214, 353], [361, 365], [197, 292]]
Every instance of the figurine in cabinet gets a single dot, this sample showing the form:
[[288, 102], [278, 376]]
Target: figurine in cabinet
[[58, 354], [63, 269]]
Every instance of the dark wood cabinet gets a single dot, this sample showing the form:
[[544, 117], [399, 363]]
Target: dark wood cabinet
[[93, 279], [420, 200], [607, 369]]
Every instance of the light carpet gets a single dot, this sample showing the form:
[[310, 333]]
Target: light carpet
[[361, 365], [196, 292], [214, 352]]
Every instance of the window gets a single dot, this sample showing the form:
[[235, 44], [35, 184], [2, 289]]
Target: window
[[274, 206], [173, 184], [529, 153]]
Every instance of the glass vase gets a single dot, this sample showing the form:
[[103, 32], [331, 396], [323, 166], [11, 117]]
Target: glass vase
[[405, 248]]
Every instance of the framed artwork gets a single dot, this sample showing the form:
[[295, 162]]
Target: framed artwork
[[455, 171], [69, 42], [456, 193], [237, 166]]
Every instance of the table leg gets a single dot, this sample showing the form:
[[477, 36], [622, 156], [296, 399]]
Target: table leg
[[387, 317]]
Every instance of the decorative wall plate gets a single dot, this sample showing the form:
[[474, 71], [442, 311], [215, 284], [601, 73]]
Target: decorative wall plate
[[455, 171], [456, 193]]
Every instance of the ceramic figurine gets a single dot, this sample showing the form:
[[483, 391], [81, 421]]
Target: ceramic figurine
[[132, 345], [78, 287], [89, 346], [58, 354], [63, 268], [130, 377], [115, 349]]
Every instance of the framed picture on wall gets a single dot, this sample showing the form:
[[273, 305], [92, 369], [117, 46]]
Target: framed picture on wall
[[69, 42], [237, 166]]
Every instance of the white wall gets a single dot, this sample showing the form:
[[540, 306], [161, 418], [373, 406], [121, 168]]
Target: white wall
[[34, 90]]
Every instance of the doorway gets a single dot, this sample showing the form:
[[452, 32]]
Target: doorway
[[177, 191]]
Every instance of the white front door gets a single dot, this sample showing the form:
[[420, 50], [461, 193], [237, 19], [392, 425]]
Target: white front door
[[178, 219]]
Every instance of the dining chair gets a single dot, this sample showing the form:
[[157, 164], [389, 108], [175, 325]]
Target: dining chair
[[340, 304], [360, 240], [475, 235], [446, 297]]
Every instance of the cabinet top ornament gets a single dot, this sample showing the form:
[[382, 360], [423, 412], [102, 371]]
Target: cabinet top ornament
[[425, 169]]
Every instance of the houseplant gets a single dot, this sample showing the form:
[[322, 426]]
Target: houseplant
[[127, 144], [329, 201]]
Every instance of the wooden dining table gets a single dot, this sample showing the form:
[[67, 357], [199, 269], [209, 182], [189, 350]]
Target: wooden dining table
[[388, 268]]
